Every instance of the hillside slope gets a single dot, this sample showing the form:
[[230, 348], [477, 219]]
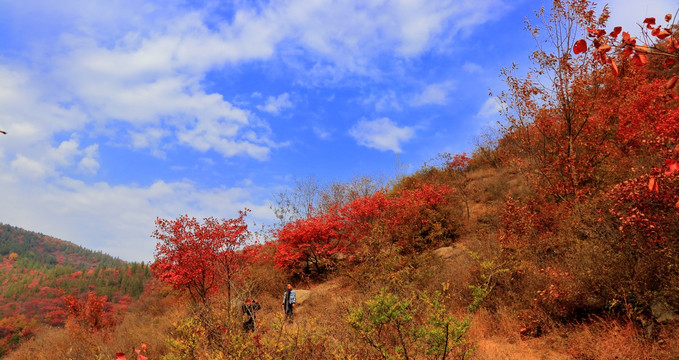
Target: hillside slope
[[37, 271]]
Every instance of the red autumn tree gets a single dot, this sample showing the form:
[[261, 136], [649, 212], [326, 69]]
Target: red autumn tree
[[198, 258], [595, 135], [551, 113], [647, 205]]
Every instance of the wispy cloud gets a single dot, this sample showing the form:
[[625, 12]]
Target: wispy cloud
[[275, 104], [434, 94], [386, 101], [472, 68], [381, 134], [492, 107]]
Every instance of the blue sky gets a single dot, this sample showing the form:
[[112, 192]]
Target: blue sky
[[118, 112]]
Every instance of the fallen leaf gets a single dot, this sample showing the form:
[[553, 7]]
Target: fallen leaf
[[652, 185]]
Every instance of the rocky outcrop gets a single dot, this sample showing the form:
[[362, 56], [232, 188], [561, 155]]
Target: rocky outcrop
[[302, 296], [662, 312]]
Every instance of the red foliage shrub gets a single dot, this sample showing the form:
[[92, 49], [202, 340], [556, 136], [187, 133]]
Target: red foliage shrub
[[648, 206], [91, 313], [408, 218]]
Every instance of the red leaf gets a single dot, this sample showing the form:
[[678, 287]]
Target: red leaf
[[628, 39], [142, 357], [616, 31], [649, 22], [671, 82], [672, 166], [580, 46], [677, 205], [639, 59], [663, 34], [614, 67], [120, 356], [668, 17], [603, 59], [669, 62], [604, 48]]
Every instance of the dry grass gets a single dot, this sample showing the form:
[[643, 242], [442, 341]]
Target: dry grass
[[615, 340], [69, 343], [497, 337]]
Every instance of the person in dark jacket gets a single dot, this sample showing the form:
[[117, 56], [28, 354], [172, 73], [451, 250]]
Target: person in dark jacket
[[249, 309]]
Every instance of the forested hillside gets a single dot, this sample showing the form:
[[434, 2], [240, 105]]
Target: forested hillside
[[38, 273]]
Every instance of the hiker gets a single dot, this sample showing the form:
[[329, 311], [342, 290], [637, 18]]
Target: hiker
[[249, 309], [289, 299]]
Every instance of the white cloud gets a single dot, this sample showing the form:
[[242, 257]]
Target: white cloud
[[472, 68], [381, 134], [349, 34], [434, 94], [29, 112], [148, 137], [43, 161], [275, 104], [383, 102], [89, 163], [321, 132], [119, 220], [491, 107], [28, 167]]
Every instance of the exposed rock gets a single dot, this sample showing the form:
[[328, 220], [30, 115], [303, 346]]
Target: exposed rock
[[302, 296], [449, 252], [456, 265], [663, 312]]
